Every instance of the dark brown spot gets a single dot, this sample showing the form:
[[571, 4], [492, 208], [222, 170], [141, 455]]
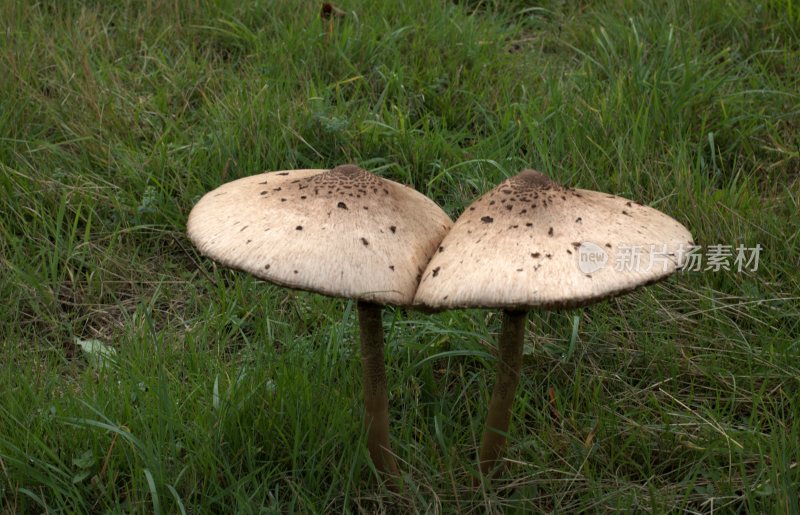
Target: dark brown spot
[[569, 252], [550, 231], [391, 267], [441, 248], [283, 200], [589, 276], [248, 242], [535, 255], [509, 207], [263, 192], [341, 205], [625, 213], [365, 242], [487, 219], [523, 211], [284, 173], [628, 204], [366, 208], [576, 244], [243, 228], [472, 209], [436, 271], [393, 229], [529, 224], [299, 228], [266, 267], [277, 189], [548, 256], [491, 203], [608, 245], [578, 220], [519, 269], [295, 271]]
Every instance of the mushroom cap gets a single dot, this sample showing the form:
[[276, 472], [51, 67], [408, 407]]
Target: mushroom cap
[[342, 232], [530, 242]]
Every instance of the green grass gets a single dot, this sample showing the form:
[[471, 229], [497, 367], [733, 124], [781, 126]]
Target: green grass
[[229, 394]]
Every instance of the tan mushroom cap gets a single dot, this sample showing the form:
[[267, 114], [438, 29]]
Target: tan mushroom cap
[[530, 242], [342, 232]]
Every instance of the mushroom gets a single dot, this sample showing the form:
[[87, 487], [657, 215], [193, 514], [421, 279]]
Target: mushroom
[[530, 242], [342, 232]]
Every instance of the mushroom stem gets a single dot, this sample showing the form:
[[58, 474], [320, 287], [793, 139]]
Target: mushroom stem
[[376, 399], [508, 368]]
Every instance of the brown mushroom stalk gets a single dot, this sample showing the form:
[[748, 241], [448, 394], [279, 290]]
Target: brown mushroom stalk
[[509, 362], [376, 399]]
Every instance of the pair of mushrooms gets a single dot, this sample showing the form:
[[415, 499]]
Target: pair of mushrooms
[[348, 233]]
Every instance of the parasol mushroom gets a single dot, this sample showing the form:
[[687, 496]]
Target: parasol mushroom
[[342, 232], [531, 243]]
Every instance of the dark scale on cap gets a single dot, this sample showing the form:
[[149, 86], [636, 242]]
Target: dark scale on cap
[[487, 219], [266, 267], [343, 179], [625, 213], [436, 271], [365, 242], [550, 231], [393, 229], [263, 193], [441, 248], [391, 267], [531, 180], [299, 228], [578, 220], [243, 228], [341, 205], [284, 173], [535, 255]]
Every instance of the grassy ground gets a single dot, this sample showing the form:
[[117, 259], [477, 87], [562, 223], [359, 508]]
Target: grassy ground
[[228, 394]]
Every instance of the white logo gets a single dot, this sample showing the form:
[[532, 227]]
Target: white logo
[[591, 257]]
